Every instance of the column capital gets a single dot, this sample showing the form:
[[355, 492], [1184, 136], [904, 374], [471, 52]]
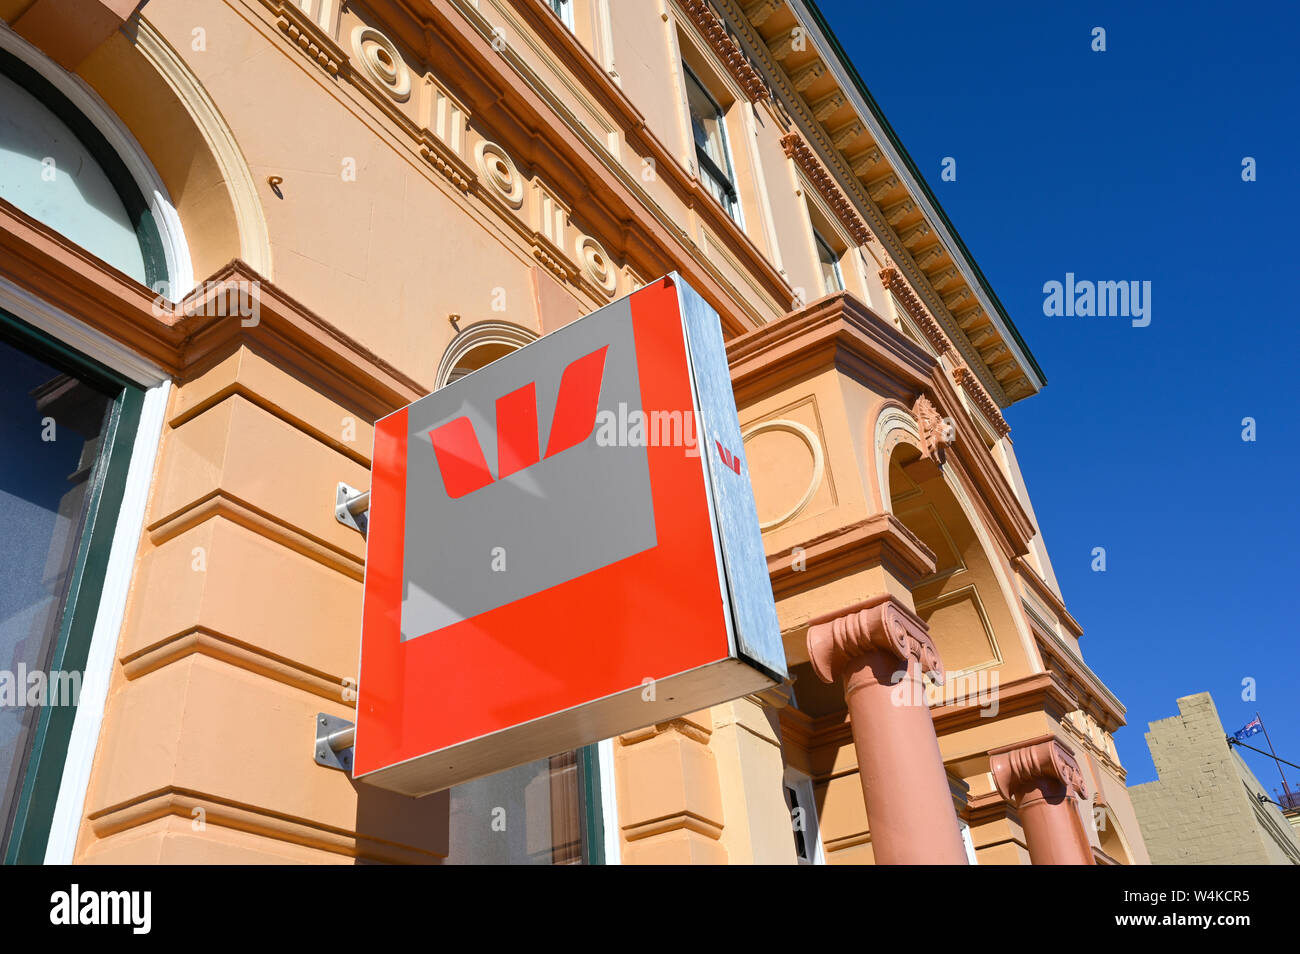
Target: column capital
[[1042, 765], [880, 623]]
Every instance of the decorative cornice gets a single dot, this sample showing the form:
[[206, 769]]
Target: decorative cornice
[[1093, 696], [1042, 766], [836, 331], [711, 27], [797, 149], [881, 539], [1030, 577], [871, 168], [894, 281], [970, 383], [308, 37], [610, 198], [190, 336], [1040, 692], [878, 624], [443, 158]]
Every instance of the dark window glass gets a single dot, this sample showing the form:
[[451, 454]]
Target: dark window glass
[[798, 814], [711, 152], [529, 815], [52, 428], [832, 278]]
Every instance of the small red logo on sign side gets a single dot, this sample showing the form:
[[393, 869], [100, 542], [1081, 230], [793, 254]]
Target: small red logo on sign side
[[460, 457], [731, 460]]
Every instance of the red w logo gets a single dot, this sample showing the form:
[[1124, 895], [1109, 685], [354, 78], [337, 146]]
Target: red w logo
[[728, 458], [460, 458]]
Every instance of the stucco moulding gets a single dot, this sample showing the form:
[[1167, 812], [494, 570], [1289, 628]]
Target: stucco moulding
[[382, 62], [969, 382], [501, 77], [1017, 768], [797, 149], [816, 465], [880, 623], [715, 32], [190, 334], [309, 38]]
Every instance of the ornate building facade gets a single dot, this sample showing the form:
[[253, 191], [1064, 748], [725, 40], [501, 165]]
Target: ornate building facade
[[237, 232]]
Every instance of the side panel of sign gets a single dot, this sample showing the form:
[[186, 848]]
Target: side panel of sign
[[758, 634]]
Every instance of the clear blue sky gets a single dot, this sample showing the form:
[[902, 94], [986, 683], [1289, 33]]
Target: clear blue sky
[[1126, 165]]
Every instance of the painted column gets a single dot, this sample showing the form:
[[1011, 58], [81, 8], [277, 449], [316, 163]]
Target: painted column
[[1042, 780], [881, 650]]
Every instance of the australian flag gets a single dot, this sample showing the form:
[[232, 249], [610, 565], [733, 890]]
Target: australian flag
[[1253, 727]]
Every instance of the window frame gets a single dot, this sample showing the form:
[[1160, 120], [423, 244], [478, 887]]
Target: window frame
[[33, 817], [564, 10], [801, 784], [726, 178], [822, 245]]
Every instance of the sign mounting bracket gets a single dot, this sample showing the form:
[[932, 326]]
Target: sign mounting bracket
[[352, 507], [334, 742]]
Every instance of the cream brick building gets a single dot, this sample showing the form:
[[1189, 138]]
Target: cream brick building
[[1205, 807]]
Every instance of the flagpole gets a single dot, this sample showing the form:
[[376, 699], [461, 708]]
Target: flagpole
[[1286, 788]]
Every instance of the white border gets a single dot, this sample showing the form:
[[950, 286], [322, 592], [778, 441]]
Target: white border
[[609, 802], [82, 338], [68, 808], [69, 805]]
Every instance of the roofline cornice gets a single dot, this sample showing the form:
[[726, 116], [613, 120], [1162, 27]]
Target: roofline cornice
[[983, 334]]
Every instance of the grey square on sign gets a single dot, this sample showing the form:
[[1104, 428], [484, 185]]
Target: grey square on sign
[[578, 511]]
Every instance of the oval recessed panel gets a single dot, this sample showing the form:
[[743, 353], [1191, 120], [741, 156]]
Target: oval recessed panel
[[785, 463]]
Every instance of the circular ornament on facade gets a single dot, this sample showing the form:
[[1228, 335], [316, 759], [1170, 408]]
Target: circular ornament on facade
[[596, 264], [381, 61], [498, 170], [786, 456]]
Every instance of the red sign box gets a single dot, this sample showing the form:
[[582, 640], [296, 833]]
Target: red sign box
[[561, 547]]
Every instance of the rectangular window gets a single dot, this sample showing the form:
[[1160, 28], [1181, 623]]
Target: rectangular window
[[712, 154], [829, 260], [803, 818], [544, 813], [564, 10], [66, 431]]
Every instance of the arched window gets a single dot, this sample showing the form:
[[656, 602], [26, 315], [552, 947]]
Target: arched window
[[66, 163], [82, 418]]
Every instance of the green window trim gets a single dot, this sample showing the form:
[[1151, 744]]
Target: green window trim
[[593, 820], [34, 812]]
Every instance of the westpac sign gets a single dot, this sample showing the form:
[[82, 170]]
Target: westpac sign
[[562, 546]]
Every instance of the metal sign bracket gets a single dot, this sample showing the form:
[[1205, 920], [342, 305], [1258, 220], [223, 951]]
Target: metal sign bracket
[[335, 738], [351, 507]]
